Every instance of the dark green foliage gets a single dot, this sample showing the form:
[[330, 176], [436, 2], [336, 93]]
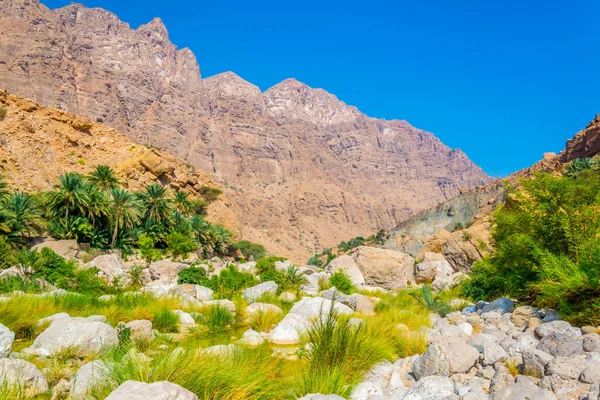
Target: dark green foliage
[[315, 261], [577, 166], [165, 320], [250, 249], [193, 276], [210, 194], [547, 247], [342, 282], [351, 244], [291, 279]]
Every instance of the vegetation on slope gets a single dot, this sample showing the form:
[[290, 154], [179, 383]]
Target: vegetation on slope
[[547, 245]]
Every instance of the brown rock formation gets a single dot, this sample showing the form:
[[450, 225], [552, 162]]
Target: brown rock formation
[[303, 170], [37, 144]]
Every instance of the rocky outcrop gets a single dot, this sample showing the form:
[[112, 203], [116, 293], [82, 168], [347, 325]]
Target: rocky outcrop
[[385, 268], [303, 170], [84, 336]]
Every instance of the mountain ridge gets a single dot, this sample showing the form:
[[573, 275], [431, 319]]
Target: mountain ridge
[[303, 169]]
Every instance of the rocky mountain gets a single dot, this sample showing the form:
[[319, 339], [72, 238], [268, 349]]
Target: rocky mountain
[[37, 144], [303, 170]]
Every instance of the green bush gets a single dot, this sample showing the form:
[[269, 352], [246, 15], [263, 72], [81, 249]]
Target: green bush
[[547, 247], [216, 318], [2, 113], [341, 281], [265, 268], [194, 276], [250, 249], [179, 245], [165, 320], [230, 281], [210, 194]]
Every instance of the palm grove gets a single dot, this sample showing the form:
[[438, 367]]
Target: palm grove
[[96, 209]]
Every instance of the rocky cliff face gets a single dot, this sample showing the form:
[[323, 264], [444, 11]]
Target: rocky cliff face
[[303, 170]]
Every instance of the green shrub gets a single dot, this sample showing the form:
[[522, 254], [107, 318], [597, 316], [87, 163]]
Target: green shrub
[[315, 261], [216, 318], [547, 247], [341, 281], [432, 302], [194, 276], [265, 268], [351, 244], [340, 354], [2, 113], [250, 249], [165, 320], [148, 252], [210, 194], [230, 281], [179, 245]]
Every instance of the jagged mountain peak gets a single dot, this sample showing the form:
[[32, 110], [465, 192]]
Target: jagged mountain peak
[[294, 100]]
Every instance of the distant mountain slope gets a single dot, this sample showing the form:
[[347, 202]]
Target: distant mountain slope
[[430, 229], [303, 170]]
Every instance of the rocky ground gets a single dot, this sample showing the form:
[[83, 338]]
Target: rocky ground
[[495, 350]]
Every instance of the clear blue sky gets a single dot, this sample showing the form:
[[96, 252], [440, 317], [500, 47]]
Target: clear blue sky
[[503, 80]]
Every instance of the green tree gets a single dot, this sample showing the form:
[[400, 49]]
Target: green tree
[[124, 211], [179, 245], [26, 214], [183, 204], [155, 203], [69, 194], [104, 178]]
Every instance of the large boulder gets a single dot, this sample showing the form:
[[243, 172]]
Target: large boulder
[[348, 266], [501, 306], [432, 388], [87, 376], [535, 361], [339, 297], [203, 293], [522, 389], [111, 266], [557, 327], [262, 308], [386, 268], [433, 362], [433, 266], [313, 307], [254, 293], [22, 374], [83, 335], [7, 337], [163, 390], [289, 330], [141, 329], [166, 270], [66, 248]]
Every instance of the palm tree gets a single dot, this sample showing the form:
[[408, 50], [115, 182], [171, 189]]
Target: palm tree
[[155, 203], [182, 203], [202, 231], [124, 211], [70, 194], [222, 238], [104, 178], [25, 214]]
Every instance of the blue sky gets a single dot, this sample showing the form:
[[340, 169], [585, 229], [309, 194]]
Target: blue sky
[[504, 81]]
